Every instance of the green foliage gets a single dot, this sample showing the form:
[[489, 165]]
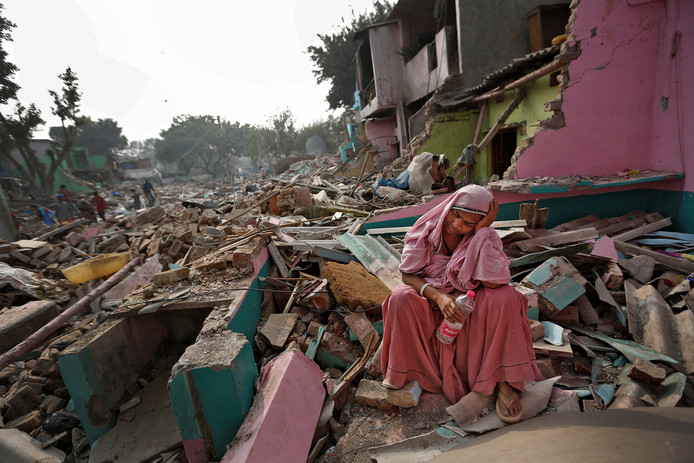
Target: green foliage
[[333, 59], [17, 127], [202, 141], [102, 137]]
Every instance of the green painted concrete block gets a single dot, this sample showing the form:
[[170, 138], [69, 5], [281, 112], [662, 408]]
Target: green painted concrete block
[[543, 273], [210, 394], [564, 293]]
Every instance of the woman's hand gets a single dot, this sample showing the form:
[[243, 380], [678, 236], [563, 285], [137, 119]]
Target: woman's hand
[[450, 311], [488, 219]]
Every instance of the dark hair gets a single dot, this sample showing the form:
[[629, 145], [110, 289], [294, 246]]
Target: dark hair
[[96, 193], [63, 186]]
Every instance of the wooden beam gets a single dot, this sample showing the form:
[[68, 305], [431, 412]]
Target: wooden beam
[[675, 263], [640, 231]]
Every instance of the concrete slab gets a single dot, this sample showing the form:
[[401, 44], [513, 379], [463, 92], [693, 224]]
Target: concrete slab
[[617, 436], [19, 322], [19, 447], [152, 431], [141, 277], [282, 421], [211, 389]]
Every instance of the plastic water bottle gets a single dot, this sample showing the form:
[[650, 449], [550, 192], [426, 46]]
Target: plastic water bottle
[[447, 331]]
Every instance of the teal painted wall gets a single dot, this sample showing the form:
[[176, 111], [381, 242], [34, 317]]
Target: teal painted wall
[[81, 379], [679, 206], [226, 396], [183, 408], [246, 318]]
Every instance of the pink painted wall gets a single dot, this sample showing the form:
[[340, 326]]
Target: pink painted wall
[[387, 65], [612, 103], [382, 134], [418, 80]]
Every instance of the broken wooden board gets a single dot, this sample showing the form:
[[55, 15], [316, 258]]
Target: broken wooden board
[[544, 348], [640, 231], [544, 255], [676, 263], [278, 328], [556, 239]]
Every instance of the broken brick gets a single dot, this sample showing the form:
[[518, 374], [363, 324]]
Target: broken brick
[[170, 276], [645, 371]]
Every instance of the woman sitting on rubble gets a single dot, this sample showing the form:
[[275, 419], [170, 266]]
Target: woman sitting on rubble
[[449, 250]]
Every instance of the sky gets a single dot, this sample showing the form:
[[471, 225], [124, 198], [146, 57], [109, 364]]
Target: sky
[[144, 62]]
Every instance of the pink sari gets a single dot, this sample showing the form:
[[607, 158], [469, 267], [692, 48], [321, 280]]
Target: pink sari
[[495, 342]]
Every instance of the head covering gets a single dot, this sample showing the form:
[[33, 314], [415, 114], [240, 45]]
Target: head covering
[[478, 257]]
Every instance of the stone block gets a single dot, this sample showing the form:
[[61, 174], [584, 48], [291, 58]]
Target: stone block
[[278, 328], [52, 404], [151, 216], [216, 264], [640, 267], [537, 330], [546, 368], [313, 328], [361, 327], [23, 401], [566, 317], [175, 248], [211, 389], [684, 323], [651, 321], [17, 446], [171, 276], [645, 371], [112, 243], [557, 282], [17, 323], [212, 231], [319, 299], [292, 388], [407, 396], [28, 422], [373, 394]]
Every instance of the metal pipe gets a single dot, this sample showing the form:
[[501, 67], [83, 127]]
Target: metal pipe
[[33, 340]]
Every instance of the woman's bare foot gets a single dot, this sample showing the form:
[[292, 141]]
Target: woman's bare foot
[[508, 404]]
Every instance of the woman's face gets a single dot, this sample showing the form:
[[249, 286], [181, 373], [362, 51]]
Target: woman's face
[[460, 222]]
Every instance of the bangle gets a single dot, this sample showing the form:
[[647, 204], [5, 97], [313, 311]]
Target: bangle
[[421, 290]]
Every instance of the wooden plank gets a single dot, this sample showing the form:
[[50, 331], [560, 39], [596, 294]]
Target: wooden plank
[[510, 223], [557, 239], [277, 258], [388, 231], [675, 263], [630, 235], [544, 255], [574, 224], [62, 229]]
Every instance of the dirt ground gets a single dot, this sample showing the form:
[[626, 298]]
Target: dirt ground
[[370, 427]]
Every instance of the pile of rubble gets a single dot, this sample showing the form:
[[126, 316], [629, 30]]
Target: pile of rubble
[[612, 321]]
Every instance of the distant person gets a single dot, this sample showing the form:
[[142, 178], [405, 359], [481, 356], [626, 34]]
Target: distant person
[[148, 190], [423, 172], [63, 211], [100, 204], [87, 210], [44, 214], [137, 201], [68, 199]]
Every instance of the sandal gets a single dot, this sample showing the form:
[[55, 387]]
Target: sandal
[[507, 400], [388, 385]]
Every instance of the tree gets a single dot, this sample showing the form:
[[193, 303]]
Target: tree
[[66, 105], [17, 128], [102, 137], [333, 59], [208, 142]]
